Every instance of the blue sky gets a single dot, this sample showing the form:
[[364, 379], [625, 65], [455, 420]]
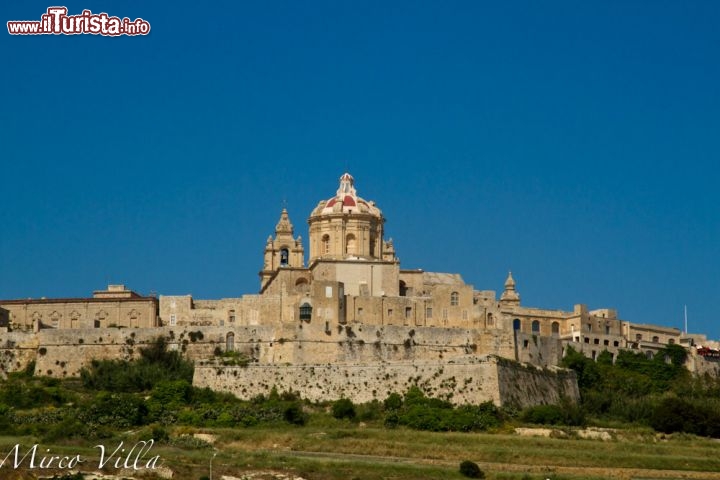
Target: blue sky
[[574, 143]]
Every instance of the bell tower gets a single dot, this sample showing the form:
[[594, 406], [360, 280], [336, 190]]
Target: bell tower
[[282, 252]]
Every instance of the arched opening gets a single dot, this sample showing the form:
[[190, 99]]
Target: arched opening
[[350, 244], [301, 285], [555, 329], [490, 320], [671, 341], [649, 354], [305, 312], [517, 324], [230, 342], [284, 257], [656, 339], [535, 326], [325, 244], [454, 299], [403, 289]]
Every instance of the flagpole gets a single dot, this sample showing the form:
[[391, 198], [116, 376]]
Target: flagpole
[[686, 331]]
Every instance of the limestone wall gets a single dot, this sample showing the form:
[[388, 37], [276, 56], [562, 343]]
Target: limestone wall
[[17, 350], [472, 380]]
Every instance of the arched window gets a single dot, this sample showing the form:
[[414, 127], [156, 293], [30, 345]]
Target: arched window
[[403, 288], [230, 342], [325, 246], [517, 324], [656, 339], [555, 329], [454, 299], [535, 326], [284, 257], [306, 312], [350, 244], [490, 320]]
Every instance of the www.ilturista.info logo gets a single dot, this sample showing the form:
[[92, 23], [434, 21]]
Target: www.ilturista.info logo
[[57, 22]]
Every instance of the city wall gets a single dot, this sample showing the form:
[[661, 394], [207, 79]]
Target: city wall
[[472, 380]]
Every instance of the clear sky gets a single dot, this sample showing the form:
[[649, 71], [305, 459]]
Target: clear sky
[[574, 143]]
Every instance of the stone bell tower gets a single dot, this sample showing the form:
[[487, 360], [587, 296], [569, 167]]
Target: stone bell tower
[[282, 252]]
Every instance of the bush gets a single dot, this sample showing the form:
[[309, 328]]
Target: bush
[[471, 469], [343, 408]]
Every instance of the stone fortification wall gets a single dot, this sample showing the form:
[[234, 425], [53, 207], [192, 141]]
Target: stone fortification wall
[[524, 385], [17, 350], [472, 380]]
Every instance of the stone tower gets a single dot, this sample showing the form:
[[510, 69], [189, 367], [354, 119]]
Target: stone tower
[[282, 252], [347, 227], [510, 296]]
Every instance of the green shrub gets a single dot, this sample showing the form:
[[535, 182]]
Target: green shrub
[[471, 469], [343, 408]]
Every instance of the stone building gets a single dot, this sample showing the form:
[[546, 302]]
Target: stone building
[[114, 307]]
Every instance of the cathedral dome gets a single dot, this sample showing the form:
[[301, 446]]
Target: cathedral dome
[[346, 201], [347, 227]]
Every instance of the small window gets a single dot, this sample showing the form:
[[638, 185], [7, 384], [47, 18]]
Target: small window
[[428, 312], [445, 316], [555, 329], [464, 315], [525, 343], [607, 329], [306, 312], [656, 339], [325, 247], [517, 324], [454, 299], [589, 327], [284, 257], [596, 341], [230, 342], [587, 340], [408, 312], [328, 292], [535, 326], [360, 311], [606, 342], [638, 336], [231, 316], [390, 312], [671, 341], [616, 343], [173, 320]]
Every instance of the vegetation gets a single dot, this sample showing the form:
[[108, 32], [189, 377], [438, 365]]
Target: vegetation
[[471, 469], [657, 392]]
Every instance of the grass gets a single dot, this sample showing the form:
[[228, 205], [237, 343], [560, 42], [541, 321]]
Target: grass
[[335, 450]]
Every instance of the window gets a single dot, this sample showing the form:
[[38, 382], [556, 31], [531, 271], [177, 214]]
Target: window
[[360, 311], [638, 336], [555, 329], [328, 292], [671, 341], [173, 320], [403, 289], [454, 299], [517, 324], [230, 342], [464, 315], [284, 256], [428, 312], [616, 343], [351, 244], [589, 327], [656, 339], [535, 326], [389, 312], [596, 341], [305, 312], [607, 329], [587, 340], [408, 312], [325, 245], [444, 313], [606, 342], [231, 316], [490, 320]]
